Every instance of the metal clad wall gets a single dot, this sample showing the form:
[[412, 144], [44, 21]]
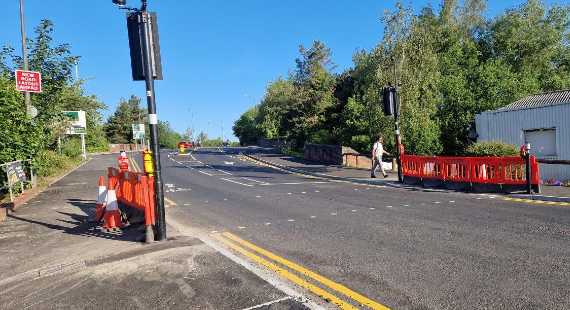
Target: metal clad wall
[[509, 127]]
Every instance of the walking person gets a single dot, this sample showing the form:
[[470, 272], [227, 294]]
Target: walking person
[[377, 152]]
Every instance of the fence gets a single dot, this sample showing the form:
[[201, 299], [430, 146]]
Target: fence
[[484, 170], [134, 190]]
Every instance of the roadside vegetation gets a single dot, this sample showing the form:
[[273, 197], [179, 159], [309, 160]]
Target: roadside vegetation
[[37, 139], [450, 63]]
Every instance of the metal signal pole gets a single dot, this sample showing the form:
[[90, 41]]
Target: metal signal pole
[[25, 56], [153, 124]]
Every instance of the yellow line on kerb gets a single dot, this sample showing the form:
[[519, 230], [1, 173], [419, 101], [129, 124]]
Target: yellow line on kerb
[[544, 202], [329, 283], [289, 276]]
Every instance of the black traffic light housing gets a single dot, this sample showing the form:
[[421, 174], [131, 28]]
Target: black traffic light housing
[[389, 100], [120, 2]]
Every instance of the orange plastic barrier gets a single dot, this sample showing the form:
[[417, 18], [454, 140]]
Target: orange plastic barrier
[[487, 170], [135, 190]]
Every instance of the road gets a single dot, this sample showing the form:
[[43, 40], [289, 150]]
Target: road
[[381, 246]]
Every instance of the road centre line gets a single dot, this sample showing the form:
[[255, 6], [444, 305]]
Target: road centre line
[[236, 182], [297, 183], [306, 272], [206, 173], [287, 275]]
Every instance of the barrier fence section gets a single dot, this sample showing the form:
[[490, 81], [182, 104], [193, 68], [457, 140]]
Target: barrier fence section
[[486, 170], [135, 190]]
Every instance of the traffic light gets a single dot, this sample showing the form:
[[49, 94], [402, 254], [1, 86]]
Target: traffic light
[[389, 98], [134, 25]]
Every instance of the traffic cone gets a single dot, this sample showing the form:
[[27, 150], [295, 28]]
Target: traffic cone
[[112, 213], [101, 200]]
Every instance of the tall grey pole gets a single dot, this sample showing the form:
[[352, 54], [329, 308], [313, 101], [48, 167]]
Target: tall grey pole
[[25, 55], [153, 125]]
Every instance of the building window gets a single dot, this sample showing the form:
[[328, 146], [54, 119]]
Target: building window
[[542, 142]]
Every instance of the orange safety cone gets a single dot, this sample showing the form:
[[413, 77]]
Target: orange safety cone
[[112, 213], [101, 200]]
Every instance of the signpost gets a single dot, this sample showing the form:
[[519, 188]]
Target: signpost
[[29, 81], [78, 126], [138, 132]]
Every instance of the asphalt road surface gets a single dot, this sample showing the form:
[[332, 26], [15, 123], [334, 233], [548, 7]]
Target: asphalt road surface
[[381, 246]]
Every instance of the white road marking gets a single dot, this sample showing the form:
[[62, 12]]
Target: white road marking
[[267, 224], [296, 183], [289, 193], [222, 171], [214, 232], [452, 201], [372, 208], [187, 204], [169, 185], [479, 198], [388, 206], [206, 173], [317, 191], [256, 181], [290, 220], [436, 202], [303, 192], [225, 199], [353, 210], [263, 305], [258, 196], [229, 163], [242, 227], [334, 213], [406, 205], [356, 189], [313, 216], [236, 182]]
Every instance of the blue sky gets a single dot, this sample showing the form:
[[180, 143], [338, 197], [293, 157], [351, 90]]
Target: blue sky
[[217, 56]]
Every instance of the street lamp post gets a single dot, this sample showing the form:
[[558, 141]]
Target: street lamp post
[[145, 19]]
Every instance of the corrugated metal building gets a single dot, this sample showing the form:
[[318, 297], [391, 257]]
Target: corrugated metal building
[[542, 120]]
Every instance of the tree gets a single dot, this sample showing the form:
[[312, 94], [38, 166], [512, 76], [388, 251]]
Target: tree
[[118, 127], [245, 128], [168, 137]]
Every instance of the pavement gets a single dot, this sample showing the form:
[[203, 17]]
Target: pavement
[[53, 257], [374, 245]]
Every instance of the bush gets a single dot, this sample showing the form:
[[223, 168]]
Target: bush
[[361, 143], [492, 148], [72, 147], [47, 163]]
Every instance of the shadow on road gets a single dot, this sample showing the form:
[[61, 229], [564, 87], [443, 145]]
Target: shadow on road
[[81, 226]]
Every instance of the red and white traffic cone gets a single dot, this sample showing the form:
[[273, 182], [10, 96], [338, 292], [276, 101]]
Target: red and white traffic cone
[[101, 200], [112, 213]]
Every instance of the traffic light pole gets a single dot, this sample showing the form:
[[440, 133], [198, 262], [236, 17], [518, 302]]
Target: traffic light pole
[[397, 135], [160, 221]]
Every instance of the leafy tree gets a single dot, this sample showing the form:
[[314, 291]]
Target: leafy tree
[[167, 137], [119, 125], [245, 128]]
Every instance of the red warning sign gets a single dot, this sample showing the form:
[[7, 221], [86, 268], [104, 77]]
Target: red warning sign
[[29, 81]]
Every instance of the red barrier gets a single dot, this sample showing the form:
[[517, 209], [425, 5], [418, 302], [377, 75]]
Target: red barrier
[[487, 170], [135, 190]]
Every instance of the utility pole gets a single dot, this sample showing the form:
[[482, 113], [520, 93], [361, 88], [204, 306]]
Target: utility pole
[[25, 56], [146, 38], [153, 124]]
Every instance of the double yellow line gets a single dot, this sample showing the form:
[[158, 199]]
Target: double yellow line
[[274, 262], [539, 202]]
